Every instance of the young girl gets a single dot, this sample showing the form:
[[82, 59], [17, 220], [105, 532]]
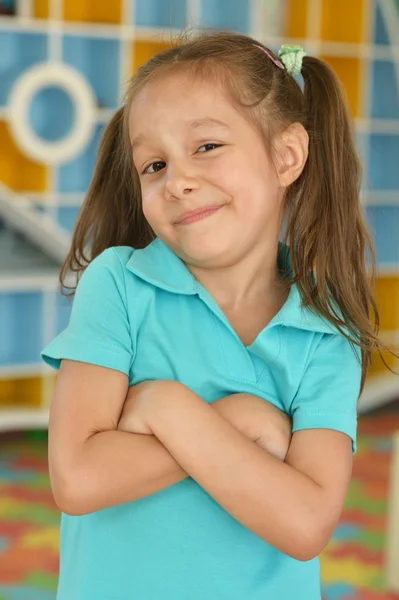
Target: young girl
[[194, 332]]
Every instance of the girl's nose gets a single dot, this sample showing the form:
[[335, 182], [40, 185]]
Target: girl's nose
[[180, 183]]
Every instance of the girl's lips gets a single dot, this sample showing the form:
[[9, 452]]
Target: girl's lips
[[197, 215]]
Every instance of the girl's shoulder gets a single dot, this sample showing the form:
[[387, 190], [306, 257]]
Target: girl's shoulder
[[114, 255], [106, 273], [110, 263]]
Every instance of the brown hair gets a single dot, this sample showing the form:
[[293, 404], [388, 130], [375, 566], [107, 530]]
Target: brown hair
[[324, 226]]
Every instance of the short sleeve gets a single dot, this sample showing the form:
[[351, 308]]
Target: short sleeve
[[98, 332], [328, 393]]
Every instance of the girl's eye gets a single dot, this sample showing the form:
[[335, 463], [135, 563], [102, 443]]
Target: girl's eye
[[208, 147], [154, 167]]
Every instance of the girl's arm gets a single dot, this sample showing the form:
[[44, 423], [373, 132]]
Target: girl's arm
[[255, 418], [94, 466], [294, 506]]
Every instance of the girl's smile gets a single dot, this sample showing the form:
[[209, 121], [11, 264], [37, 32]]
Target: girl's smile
[[198, 214]]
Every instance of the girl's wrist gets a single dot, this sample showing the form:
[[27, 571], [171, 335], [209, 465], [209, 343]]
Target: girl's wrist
[[169, 398], [165, 395]]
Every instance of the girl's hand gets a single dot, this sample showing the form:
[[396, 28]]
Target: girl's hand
[[140, 400], [258, 420]]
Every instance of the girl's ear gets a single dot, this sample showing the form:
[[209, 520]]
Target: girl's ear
[[292, 153]]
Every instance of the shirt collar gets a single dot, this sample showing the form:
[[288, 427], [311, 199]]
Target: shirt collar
[[160, 266]]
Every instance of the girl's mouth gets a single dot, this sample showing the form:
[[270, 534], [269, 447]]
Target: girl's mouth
[[198, 214]]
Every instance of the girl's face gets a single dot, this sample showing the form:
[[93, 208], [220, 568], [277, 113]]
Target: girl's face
[[194, 151]]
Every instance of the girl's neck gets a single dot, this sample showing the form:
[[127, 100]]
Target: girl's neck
[[254, 279]]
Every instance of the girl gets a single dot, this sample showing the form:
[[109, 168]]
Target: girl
[[194, 329]]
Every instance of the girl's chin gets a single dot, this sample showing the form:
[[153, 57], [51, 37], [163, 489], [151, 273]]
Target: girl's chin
[[204, 255], [207, 251]]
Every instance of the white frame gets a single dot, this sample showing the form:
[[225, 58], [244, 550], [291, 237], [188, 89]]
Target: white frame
[[33, 80]]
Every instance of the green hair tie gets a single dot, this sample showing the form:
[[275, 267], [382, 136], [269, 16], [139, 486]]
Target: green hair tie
[[292, 57]]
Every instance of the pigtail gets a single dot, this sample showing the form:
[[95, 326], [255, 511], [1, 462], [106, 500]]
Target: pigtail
[[111, 213], [328, 236]]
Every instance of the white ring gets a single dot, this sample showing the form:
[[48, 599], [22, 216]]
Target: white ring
[[75, 85]]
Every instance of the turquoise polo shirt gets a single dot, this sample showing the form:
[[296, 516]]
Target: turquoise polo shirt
[[141, 312]]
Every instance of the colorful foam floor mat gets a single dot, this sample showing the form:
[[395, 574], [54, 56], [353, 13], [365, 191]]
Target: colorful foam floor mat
[[352, 565]]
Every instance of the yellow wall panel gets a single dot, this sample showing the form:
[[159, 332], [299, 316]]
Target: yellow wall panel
[[387, 298], [144, 50], [378, 367], [48, 390], [348, 71], [342, 20], [40, 9], [16, 170], [96, 11], [296, 18], [21, 392]]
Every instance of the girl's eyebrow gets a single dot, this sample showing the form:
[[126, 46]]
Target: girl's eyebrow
[[205, 122]]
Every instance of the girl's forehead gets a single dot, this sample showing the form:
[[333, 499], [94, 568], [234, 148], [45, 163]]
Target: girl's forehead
[[178, 95]]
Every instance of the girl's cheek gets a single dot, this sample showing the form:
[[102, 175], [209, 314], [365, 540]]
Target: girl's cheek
[[151, 200], [147, 190]]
